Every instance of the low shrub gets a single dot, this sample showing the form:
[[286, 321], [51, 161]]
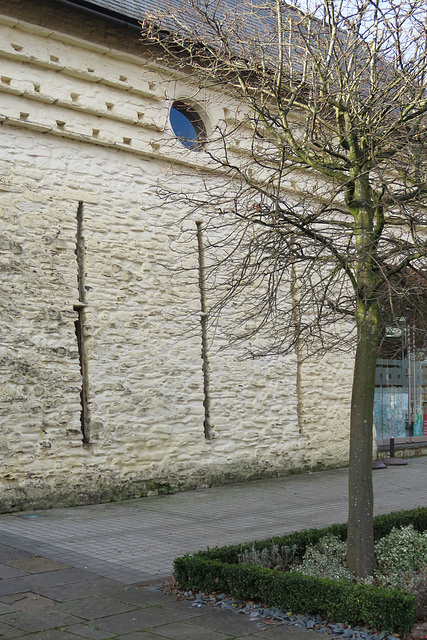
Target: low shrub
[[274, 557], [326, 559], [402, 550], [400, 555], [336, 600]]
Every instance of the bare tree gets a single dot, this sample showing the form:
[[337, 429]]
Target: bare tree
[[324, 181]]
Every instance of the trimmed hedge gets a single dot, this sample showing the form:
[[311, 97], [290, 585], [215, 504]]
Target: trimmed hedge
[[336, 601]]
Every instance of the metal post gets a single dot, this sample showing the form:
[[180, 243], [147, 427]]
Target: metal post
[[391, 447]]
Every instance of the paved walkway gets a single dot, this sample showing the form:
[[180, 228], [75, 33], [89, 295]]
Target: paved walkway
[[77, 572]]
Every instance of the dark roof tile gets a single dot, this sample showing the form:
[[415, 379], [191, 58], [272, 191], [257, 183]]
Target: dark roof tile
[[133, 9]]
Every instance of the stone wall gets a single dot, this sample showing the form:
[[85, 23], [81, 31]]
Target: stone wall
[[84, 238]]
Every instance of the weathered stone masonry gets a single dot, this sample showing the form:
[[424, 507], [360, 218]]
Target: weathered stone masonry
[[84, 239]]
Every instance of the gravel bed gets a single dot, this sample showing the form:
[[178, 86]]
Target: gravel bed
[[272, 616]]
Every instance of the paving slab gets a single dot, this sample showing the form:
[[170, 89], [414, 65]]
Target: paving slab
[[94, 607], [8, 632], [58, 578], [143, 635], [38, 620], [13, 585], [5, 608], [185, 631], [226, 622], [37, 564], [25, 601], [95, 586], [7, 571], [88, 631], [9, 553], [139, 620], [141, 596], [52, 634]]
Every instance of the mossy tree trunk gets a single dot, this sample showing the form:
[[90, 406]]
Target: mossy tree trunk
[[360, 540], [368, 221]]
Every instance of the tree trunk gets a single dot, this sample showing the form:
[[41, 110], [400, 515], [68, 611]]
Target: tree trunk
[[360, 539]]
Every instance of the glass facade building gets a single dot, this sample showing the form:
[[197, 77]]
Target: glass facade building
[[400, 407]]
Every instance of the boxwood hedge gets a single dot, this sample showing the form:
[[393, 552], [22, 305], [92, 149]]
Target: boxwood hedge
[[337, 601]]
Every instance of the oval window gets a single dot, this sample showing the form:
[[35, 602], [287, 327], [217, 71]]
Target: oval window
[[187, 125]]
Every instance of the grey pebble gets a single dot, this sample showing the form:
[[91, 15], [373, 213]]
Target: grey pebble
[[258, 613]]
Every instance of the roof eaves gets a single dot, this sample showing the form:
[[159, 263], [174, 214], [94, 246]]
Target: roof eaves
[[128, 11]]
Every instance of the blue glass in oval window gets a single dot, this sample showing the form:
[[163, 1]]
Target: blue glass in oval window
[[187, 125]]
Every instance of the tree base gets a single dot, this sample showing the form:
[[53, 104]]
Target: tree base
[[378, 464]]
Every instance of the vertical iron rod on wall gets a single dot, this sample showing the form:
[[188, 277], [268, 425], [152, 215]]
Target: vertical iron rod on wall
[[80, 325], [204, 326]]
